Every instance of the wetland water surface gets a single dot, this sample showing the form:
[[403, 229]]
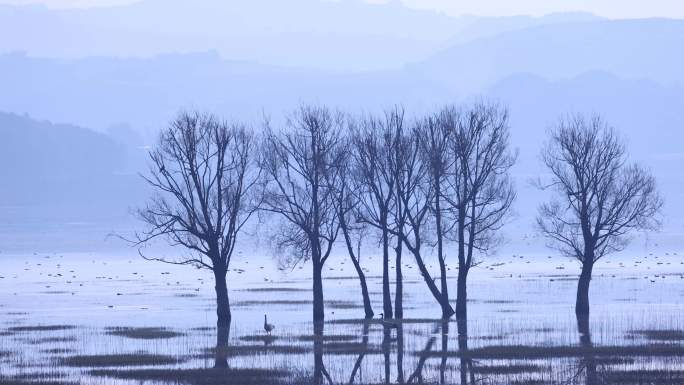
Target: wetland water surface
[[86, 319]]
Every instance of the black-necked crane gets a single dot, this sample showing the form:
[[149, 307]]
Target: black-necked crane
[[267, 326], [387, 322]]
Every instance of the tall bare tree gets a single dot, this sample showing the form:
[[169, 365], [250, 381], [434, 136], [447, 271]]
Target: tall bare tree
[[433, 139], [600, 197], [478, 189], [374, 141], [206, 177], [416, 194], [352, 228], [302, 165]]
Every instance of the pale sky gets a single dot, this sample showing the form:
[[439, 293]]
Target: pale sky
[[606, 8]]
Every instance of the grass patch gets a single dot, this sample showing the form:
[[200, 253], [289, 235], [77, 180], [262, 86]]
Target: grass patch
[[41, 328], [253, 350], [212, 376], [341, 305], [146, 333], [506, 369], [52, 340], [56, 351], [275, 290], [362, 321], [644, 376], [31, 381], [661, 335], [327, 338], [278, 302], [265, 338], [345, 348], [534, 352], [138, 359]]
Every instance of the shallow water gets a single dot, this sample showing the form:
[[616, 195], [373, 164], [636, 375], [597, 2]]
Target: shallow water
[[75, 319]]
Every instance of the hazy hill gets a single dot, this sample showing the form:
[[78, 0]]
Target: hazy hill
[[343, 35], [145, 92], [647, 48], [57, 170]]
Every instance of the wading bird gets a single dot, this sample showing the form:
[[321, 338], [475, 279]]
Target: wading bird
[[267, 326], [387, 322]]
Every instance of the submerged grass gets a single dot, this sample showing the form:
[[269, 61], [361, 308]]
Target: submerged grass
[[534, 352], [252, 350], [136, 359], [145, 333], [213, 376], [41, 328], [661, 335], [274, 289], [507, 369]]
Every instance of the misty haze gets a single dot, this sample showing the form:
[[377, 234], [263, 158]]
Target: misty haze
[[333, 192]]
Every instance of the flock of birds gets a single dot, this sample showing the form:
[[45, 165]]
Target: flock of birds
[[655, 260]]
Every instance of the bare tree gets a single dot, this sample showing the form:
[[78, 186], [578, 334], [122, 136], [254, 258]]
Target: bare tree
[[433, 139], [302, 167], [352, 228], [206, 178], [416, 194], [374, 142], [600, 198], [478, 188]]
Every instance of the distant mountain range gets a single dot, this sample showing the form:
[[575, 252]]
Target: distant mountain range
[[342, 35]]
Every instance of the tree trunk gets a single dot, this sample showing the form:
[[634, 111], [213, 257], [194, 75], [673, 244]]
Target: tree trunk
[[318, 353], [447, 310], [582, 304], [461, 288], [445, 349], [461, 294], [399, 284], [386, 297], [367, 307], [222, 303], [400, 353], [444, 288], [318, 310], [386, 347], [221, 356]]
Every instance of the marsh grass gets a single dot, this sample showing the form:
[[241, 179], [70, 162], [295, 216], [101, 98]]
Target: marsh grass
[[279, 302], [144, 333], [254, 350], [660, 335], [535, 352], [265, 338], [52, 340], [326, 337], [33, 381], [644, 376], [507, 369], [134, 359], [350, 348], [274, 290], [212, 376], [40, 328]]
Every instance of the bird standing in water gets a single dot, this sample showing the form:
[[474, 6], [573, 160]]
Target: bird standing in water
[[267, 326], [387, 322]]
